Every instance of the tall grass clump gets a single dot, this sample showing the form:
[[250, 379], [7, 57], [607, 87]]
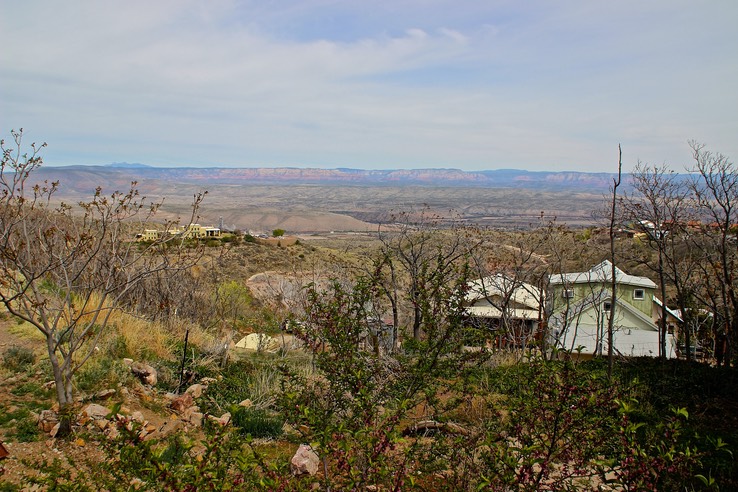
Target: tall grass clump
[[256, 422]]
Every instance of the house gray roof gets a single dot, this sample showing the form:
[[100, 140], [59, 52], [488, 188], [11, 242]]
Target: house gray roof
[[522, 299], [601, 273], [501, 285]]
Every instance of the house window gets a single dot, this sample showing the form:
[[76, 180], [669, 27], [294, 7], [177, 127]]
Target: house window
[[639, 294], [568, 293], [607, 306]]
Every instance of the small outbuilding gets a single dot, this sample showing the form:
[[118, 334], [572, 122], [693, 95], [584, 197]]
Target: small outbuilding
[[259, 342]]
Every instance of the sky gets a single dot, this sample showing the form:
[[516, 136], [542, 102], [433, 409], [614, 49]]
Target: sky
[[375, 84]]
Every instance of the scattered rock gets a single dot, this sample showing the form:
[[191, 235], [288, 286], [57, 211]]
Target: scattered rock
[[144, 372], [49, 385], [55, 430], [137, 416], [95, 412], [46, 426], [188, 412], [112, 432], [170, 427], [224, 419], [104, 394], [305, 461], [246, 403], [196, 419], [182, 403], [196, 390], [47, 419], [198, 450]]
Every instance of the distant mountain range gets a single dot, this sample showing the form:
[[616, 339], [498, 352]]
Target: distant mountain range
[[310, 200], [117, 174]]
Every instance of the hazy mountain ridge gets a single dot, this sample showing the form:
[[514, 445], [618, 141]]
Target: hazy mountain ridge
[[503, 178], [315, 200]]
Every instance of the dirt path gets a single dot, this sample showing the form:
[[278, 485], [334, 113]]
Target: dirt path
[[9, 339]]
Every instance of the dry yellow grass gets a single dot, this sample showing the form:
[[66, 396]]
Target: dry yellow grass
[[25, 330], [145, 339]]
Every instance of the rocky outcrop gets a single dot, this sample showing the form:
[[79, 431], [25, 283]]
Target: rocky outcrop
[[144, 372], [305, 461], [182, 403]]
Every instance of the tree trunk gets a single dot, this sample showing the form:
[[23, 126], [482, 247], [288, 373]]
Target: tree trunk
[[662, 287], [686, 325], [64, 390], [611, 320], [416, 315]]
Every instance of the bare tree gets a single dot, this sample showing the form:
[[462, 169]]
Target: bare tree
[[65, 269], [415, 243], [511, 268], [715, 189], [613, 280], [565, 250], [658, 206]]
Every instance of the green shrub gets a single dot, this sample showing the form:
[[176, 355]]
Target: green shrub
[[26, 430], [8, 487], [256, 423], [31, 388], [18, 358], [117, 347], [101, 373], [221, 460], [21, 425], [232, 387]]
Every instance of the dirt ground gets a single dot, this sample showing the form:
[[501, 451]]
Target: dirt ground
[[18, 452], [24, 457]]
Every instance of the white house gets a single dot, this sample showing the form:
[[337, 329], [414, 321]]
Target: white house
[[508, 308]]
